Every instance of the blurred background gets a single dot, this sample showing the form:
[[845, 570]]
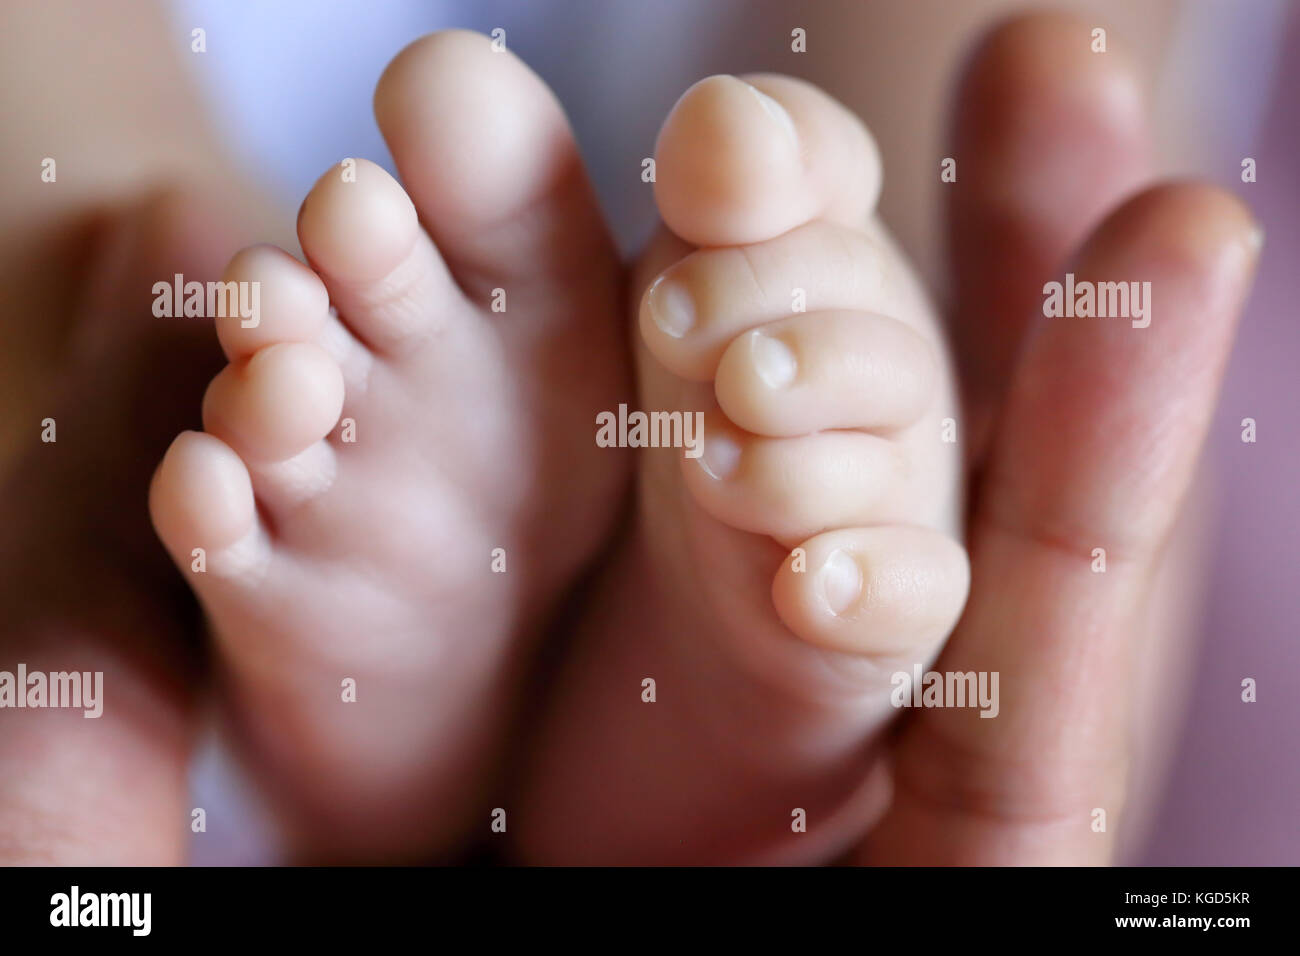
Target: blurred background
[[289, 83]]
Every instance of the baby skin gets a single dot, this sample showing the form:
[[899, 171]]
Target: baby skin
[[397, 485], [729, 689], [392, 489]]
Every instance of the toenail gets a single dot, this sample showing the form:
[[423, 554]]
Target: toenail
[[671, 307], [772, 359], [721, 456], [1256, 238], [777, 112], [841, 581]]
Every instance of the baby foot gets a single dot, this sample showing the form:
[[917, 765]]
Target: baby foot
[[366, 468], [732, 677]]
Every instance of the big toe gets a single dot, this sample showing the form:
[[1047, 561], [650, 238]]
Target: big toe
[[741, 161], [489, 160]]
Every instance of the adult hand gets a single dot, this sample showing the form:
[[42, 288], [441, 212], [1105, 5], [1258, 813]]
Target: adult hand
[[1083, 434]]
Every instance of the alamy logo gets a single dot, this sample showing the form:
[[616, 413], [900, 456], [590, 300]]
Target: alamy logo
[[212, 300], [74, 908], [654, 430], [72, 689], [949, 689], [1101, 300]]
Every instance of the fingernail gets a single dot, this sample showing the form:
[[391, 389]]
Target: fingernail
[[671, 307], [777, 112], [841, 580], [773, 360], [721, 456]]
